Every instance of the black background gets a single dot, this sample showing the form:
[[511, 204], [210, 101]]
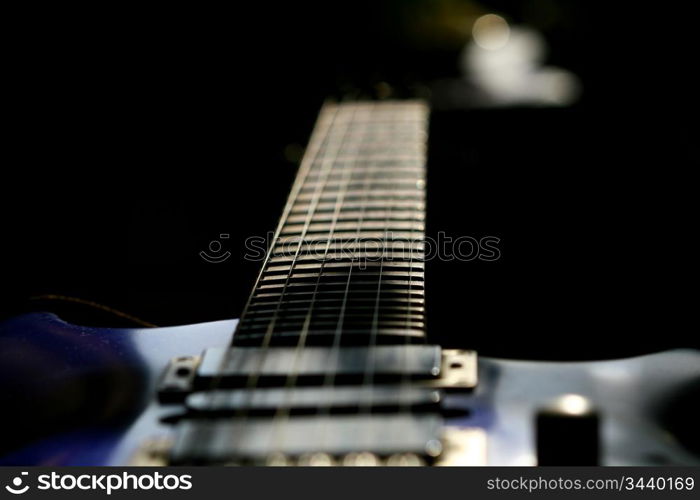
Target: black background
[[139, 135]]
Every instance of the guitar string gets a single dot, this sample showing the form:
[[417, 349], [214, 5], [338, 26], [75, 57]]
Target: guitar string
[[283, 413], [323, 411], [405, 384], [325, 171], [319, 137], [310, 213], [327, 408], [369, 371]]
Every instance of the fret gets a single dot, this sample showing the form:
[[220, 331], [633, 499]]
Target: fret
[[364, 292], [366, 151], [370, 113], [369, 166], [377, 119], [356, 274], [358, 215], [339, 318], [336, 308], [384, 141], [380, 124], [361, 171], [391, 284], [377, 157], [377, 223], [346, 232], [390, 146], [296, 328], [351, 248], [325, 276], [315, 320], [344, 265], [339, 178], [389, 225], [315, 323], [360, 185], [358, 133], [368, 179], [407, 136], [349, 323], [401, 255], [379, 268], [408, 200], [367, 169], [332, 297], [360, 194], [372, 247], [361, 256], [319, 317], [387, 304], [354, 117], [371, 242], [384, 121], [393, 205]]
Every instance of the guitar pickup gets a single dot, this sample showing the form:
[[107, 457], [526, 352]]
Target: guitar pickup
[[312, 365], [303, 440], [304, 400], [228, 368]]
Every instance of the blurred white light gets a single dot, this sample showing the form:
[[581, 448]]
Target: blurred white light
[[512, 73], [491, 32], [573, 404]]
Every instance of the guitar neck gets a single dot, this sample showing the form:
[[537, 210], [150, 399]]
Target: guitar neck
[[347, 260]]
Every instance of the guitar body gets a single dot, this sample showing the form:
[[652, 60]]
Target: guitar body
[[71, 377], [92, 391]]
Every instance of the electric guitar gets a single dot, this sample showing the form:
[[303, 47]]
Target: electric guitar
[[330, 363]]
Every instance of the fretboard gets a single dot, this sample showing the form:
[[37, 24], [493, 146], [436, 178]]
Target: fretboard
[[347, 261]]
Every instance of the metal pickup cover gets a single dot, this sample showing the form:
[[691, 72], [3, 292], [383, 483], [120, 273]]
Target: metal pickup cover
[[312, 364], [457, 369], [254, 441], [312, 399]]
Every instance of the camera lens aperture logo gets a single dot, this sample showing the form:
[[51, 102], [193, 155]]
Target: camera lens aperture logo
[[16, 488], [216, 254]]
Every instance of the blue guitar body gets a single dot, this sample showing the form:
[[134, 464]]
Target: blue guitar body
[[46, 359], [91, 394]]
